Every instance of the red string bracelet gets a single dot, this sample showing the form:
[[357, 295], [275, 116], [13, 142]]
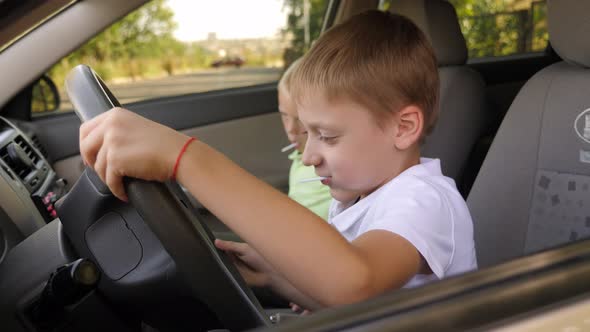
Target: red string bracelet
[[180, 156]]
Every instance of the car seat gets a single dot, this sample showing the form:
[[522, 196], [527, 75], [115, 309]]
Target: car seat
[[532, 190]]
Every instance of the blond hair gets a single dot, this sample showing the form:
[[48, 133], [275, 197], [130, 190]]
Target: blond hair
[[377, 59], [285, 81]]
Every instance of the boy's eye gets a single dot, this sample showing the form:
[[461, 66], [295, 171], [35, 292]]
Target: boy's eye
[[327, 139]]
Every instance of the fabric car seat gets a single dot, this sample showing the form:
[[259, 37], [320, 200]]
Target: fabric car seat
[[533, 190]]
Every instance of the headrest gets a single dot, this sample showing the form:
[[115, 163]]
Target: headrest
[[438, 20], [569, 28]]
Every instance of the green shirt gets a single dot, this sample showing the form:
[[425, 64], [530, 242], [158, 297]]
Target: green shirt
[[313, 195]]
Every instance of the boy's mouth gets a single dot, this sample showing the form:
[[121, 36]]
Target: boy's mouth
[[327, 181]]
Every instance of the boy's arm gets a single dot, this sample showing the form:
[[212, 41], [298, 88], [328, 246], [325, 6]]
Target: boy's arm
[[258, 272], [312, 255], [283, 287]]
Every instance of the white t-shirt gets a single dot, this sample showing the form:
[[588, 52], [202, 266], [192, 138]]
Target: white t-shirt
[[424, 207]]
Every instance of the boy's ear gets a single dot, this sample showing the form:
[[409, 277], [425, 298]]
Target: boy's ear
[[409, 122]]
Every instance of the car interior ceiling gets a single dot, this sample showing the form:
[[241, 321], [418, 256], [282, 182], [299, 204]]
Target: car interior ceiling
[[496, 108]]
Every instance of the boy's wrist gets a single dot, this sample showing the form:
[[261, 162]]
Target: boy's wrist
[[179, 155], [187, 141]]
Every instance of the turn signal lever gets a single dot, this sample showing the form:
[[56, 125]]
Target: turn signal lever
[[67, 285]]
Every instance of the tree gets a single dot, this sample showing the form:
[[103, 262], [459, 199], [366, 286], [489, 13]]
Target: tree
[[295, 30], [141, 33], [502, 27], [146, 32]]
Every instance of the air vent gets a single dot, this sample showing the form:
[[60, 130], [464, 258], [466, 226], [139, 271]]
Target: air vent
[[39, 146], [27, 148], [20, 157]]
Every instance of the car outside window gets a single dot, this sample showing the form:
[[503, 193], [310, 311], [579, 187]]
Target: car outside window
[[176, 47]]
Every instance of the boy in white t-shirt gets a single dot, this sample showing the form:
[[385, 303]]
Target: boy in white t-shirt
[[436, 219], [367, 93]]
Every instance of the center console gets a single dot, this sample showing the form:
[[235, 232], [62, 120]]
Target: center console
[[28, 184]]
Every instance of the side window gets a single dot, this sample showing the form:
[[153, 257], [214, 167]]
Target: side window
[[176, 47], [502, 27]]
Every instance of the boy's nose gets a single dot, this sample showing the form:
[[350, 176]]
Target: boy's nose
[[310, 157]]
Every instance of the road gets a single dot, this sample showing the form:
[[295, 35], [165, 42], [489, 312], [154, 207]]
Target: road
[[206, 80]]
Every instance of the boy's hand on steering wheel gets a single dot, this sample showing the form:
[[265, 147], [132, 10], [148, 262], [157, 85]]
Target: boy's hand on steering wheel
[[253, 267], [120, 143]]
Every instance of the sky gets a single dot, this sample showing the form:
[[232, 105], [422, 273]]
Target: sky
[[230, 19]]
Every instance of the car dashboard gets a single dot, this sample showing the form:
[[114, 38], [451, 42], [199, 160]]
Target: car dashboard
[[28, 185]]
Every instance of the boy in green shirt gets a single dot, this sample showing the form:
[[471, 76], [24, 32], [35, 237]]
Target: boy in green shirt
[[311, 194]]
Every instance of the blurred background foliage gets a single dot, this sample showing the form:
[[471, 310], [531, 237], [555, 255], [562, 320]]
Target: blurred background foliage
[[502, 27], [138, 46], [142, 44], [295, 29]]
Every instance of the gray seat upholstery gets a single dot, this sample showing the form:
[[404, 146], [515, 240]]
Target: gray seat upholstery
[[533, 190], [463, 115]]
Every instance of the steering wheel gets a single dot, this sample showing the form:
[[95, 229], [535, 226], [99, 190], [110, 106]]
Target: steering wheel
[[113, 233]]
